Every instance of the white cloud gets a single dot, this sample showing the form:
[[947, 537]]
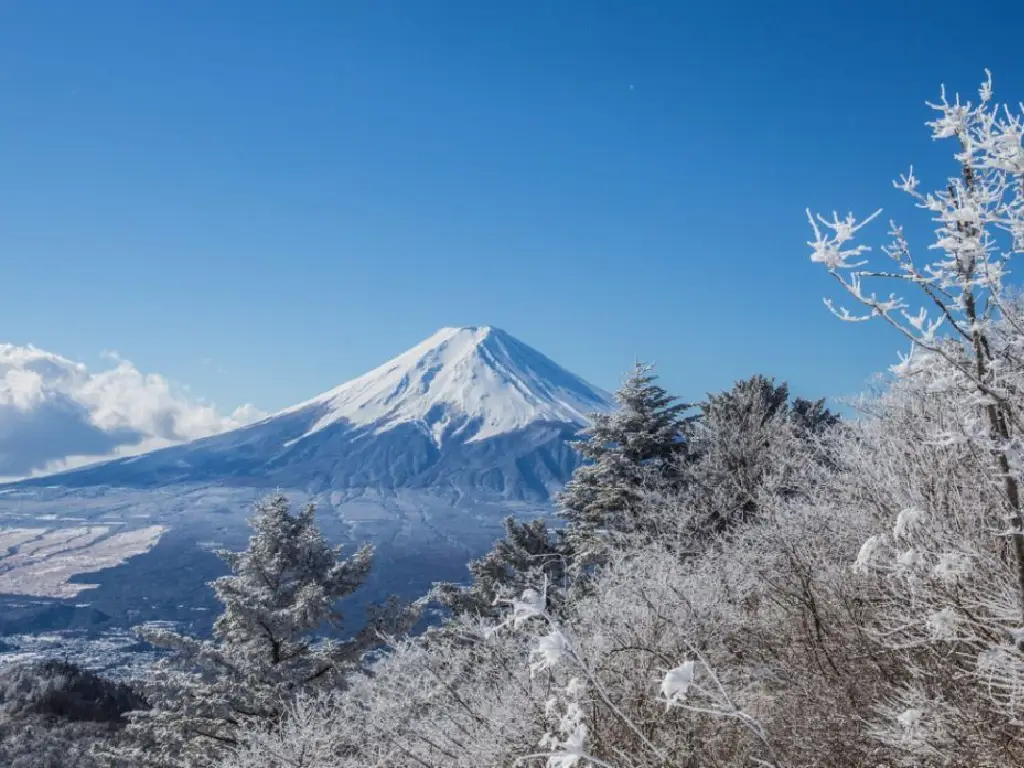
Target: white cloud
[[56, 414]]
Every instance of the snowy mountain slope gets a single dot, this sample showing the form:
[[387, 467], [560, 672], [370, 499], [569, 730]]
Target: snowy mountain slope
[[468, 410], [473, 383]]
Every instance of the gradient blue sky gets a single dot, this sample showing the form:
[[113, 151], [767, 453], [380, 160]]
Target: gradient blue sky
[[264, 199]]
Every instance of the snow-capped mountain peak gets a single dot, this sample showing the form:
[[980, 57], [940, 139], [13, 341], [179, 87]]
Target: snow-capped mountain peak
[[474, 382], [469, 411]]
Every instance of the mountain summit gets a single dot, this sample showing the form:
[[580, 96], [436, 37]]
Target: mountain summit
[[468, 383], [471, 409]]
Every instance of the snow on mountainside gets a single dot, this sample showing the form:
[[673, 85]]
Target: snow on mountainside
[[467, 411], [479, 377]]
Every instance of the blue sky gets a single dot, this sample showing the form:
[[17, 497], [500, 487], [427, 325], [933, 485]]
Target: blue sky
[[264, 199]]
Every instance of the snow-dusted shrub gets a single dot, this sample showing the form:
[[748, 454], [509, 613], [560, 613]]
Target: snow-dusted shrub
[[530, 552], [940, 581], [664, 661], [464, 697], [749, 445]]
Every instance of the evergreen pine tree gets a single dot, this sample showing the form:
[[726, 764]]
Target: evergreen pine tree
[[639, 444], [530, 553], [282, 590]]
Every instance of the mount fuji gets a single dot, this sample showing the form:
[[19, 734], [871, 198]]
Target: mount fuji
[[467, 410], [423, 456]]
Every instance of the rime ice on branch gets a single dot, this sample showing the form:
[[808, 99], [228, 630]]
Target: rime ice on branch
[[979, 218]]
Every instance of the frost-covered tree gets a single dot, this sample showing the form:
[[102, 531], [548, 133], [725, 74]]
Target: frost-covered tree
[[748, 443], [746, 447], [947, 563], [529, 552], [624, 452], [665, 662], [267, 645], [979, 218]]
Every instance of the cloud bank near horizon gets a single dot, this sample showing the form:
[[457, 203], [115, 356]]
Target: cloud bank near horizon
[[56, 414]]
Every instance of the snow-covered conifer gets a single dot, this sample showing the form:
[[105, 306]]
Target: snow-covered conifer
[[749, 443], [626, 451], [530, 552], [282, 590]]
